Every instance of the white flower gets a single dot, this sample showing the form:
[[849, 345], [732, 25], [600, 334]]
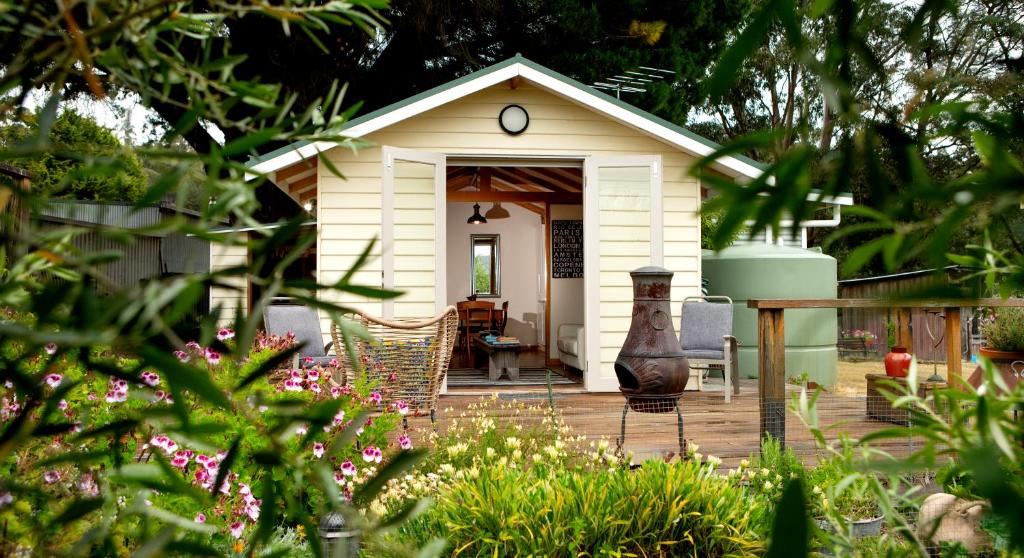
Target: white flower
[[236, 529], [224, 334], [318, 450]]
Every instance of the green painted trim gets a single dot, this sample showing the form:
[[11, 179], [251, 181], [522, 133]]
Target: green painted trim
[[494, 68]]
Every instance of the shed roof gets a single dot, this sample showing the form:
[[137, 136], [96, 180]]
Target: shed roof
[[517, 66]]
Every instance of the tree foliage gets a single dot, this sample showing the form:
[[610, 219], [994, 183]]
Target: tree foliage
[[83, 160], [928, 138]]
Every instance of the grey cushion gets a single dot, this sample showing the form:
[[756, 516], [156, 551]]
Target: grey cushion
[[703, 324], [568, 345], [705, 354], [302, 321]]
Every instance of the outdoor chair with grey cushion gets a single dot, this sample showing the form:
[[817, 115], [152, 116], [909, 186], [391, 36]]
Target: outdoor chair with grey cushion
[[304, 322], [705, 336]]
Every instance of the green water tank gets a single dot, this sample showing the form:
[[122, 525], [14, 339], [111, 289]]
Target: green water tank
[[767, 271]]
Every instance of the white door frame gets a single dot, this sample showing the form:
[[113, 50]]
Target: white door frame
[[592, 380], [389, 155]]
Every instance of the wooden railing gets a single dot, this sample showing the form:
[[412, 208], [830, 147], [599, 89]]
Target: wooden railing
[[771, 342]]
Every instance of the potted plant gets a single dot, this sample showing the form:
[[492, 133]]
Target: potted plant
[[1003, 332], [845, 500]]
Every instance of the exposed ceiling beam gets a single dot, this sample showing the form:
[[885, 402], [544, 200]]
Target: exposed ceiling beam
[[512, 180], [307, 195], [296, 169], [503, 196], [302, 183], [458, 183], [551, 179]]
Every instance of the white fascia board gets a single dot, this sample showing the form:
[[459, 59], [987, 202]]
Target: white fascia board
[[729, 165], [636, 121], [831, 200]]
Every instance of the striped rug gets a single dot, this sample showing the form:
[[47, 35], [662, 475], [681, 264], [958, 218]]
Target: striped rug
[[470, 377]]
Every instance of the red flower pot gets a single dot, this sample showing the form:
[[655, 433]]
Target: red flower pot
[[897, 362]]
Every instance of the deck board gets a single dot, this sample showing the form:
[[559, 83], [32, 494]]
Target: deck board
[[727, 431]]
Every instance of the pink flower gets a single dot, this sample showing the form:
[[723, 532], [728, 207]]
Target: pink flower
[[339, 418], [53, 380], [335, 391], [376, 397], [315, 388], [348, 468], [117, 396], [292, 385], [200, 517], [333, 363], [405, 442], [5, 499], [224, 334], [202, 476], [318, 450], [193, 346], [372, 454], [51, 477], [253, 510], [307, 360], [180, 460], [92, 396], [402, 407], [296, 374], [301, 430], [87, 485], [51, 348], [150, 378], [181, 355], [212, 357], [63, 405], [236, 529], [312, 375]]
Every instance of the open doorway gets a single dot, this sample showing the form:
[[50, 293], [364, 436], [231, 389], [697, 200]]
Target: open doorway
[[499, 250]]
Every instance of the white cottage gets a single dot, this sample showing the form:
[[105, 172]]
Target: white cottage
[[539, 153]]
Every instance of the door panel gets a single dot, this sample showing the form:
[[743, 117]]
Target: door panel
[[622, 231], [413, 231]]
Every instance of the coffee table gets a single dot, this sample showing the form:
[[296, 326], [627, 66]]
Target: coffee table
[[501, 357]]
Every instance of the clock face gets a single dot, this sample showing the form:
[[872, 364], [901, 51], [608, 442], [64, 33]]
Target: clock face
[[514, 119]]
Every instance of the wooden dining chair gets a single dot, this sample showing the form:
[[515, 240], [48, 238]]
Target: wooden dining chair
[[476, 315], [504, 317]]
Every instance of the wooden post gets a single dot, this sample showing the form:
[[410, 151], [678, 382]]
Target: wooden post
[[771, 373], [954, 364], [904, 338]]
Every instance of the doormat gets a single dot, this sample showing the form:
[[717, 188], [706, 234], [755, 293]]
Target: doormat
[[472, 377]]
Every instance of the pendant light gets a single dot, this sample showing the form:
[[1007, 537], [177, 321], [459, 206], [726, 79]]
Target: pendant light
[[497, 212], [476, 218]]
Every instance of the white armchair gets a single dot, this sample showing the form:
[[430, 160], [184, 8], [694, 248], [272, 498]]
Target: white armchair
[[570, 344]]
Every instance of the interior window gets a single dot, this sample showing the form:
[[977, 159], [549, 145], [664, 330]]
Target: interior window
[[485, 264]]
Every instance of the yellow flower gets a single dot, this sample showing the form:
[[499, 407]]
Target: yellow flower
[[239, 546]]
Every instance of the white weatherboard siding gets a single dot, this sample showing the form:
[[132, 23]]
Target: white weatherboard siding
[[350, 210], [413, 243], [230, 300]]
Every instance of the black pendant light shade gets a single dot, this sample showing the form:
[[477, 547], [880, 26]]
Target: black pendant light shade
[[476, 218]]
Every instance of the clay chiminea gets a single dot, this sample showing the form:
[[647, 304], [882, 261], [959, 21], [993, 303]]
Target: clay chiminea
[[651, 363]]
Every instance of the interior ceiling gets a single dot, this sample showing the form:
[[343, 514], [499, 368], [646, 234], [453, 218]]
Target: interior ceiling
[[528, 187]]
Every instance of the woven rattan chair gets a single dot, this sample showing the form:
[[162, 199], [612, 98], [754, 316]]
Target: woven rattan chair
[[408, 358]]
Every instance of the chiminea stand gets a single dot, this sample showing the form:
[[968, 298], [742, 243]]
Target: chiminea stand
[[660, 403]]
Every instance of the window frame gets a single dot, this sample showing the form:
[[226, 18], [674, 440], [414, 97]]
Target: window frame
[[495, 244]]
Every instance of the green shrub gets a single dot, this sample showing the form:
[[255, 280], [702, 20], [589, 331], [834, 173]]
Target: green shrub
[[1004, 330], [662, 509]]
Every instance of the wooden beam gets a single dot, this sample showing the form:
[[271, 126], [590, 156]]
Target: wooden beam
[[771, 373], [307, 195], [485, 179], [954, 364], [546, 179], [503, 196], [904, 336], [297, 168], [514, 82], [516, 182], [762, 304], [533, 208], [302, 183]]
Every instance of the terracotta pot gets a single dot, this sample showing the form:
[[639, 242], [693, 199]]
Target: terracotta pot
[[897, 362], [1009, 364], [997, 355]]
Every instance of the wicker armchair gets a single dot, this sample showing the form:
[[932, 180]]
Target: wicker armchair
[[408, 357]]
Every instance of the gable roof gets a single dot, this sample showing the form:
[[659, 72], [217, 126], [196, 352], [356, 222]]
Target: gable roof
[[517, 66]]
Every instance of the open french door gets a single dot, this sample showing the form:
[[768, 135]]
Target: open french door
[[622, 230], [413, 231]]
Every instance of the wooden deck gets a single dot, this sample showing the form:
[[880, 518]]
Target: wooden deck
[[728, 431]]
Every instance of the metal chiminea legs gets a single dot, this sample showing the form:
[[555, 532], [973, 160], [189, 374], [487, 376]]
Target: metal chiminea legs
[[651, 368]]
